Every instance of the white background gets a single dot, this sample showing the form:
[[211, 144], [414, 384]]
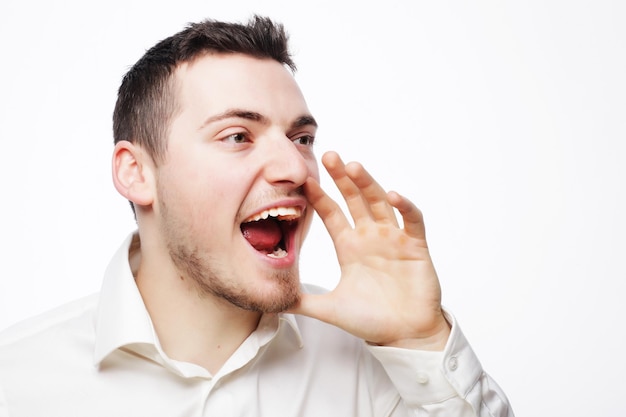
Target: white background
[[504, 121]]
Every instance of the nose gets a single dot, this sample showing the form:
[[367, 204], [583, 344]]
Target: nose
[[286, 162]]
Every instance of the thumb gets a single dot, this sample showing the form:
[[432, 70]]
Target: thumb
[[317, 306]]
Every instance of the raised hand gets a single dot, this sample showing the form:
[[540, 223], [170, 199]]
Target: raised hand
[[389, 293]]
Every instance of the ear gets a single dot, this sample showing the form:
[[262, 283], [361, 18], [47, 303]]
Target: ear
[[133, 173]]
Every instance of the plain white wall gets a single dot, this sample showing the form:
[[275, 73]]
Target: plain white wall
[[504, 121]]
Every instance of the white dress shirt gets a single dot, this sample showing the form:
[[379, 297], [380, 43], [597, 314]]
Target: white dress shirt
[[100, 356]]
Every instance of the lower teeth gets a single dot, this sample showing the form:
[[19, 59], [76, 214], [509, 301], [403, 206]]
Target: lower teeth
[[278, 253]]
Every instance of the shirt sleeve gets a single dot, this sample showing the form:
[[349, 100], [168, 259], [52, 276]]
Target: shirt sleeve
[[448, 383]]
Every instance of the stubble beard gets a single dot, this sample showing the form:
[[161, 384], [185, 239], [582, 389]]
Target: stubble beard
[[211, 277]]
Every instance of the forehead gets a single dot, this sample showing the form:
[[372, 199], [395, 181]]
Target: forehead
[[218, 81]]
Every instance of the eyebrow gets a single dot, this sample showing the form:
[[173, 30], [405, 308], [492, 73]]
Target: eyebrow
[[305, 120]]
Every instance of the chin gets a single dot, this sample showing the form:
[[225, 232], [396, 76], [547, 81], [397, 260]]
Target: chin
[[281, 294]]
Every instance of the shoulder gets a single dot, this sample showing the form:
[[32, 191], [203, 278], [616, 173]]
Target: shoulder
[[73, 317], [49, 354]]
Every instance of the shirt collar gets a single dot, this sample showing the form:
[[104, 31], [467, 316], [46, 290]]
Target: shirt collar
[[290, 319], [123, 320]]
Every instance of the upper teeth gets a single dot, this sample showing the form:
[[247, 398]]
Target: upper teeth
[[282, 213]]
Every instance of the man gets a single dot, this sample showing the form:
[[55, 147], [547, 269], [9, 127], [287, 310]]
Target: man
[[201, 311]]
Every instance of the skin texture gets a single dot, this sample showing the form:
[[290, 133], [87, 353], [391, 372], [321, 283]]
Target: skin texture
[[241, 143]]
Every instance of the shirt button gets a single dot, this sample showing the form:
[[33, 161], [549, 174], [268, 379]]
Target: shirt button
[[422, 378], [453, 363]]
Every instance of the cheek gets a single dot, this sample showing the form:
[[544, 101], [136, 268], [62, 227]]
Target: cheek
[[200, 181], [187, 195]]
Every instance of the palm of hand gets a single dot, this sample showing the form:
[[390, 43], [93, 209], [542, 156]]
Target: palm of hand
[[388, 292]]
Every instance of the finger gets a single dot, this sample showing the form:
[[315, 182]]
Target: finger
[[411, 216], [329, 211], [373, 194], [348, 189]]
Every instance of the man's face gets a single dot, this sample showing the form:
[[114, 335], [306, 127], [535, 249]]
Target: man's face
[[229, 193]]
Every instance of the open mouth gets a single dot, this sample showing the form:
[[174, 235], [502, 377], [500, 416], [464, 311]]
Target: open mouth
[[271, 231]]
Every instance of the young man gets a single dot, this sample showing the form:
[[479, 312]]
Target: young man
[[201, 310]]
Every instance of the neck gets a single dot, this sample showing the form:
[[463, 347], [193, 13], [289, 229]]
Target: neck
[[192, 326]]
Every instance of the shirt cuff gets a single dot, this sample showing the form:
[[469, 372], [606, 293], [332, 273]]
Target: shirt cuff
[[424, 377]]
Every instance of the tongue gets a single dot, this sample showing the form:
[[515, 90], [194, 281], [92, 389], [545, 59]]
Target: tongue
[[263, 235]]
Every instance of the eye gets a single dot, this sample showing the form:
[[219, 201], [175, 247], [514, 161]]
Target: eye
[[239, 137], [306, 140]]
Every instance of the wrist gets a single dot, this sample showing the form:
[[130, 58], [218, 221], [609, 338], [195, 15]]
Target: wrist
[[436, 341]]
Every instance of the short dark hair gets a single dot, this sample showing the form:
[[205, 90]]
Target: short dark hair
[[146, 100]]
